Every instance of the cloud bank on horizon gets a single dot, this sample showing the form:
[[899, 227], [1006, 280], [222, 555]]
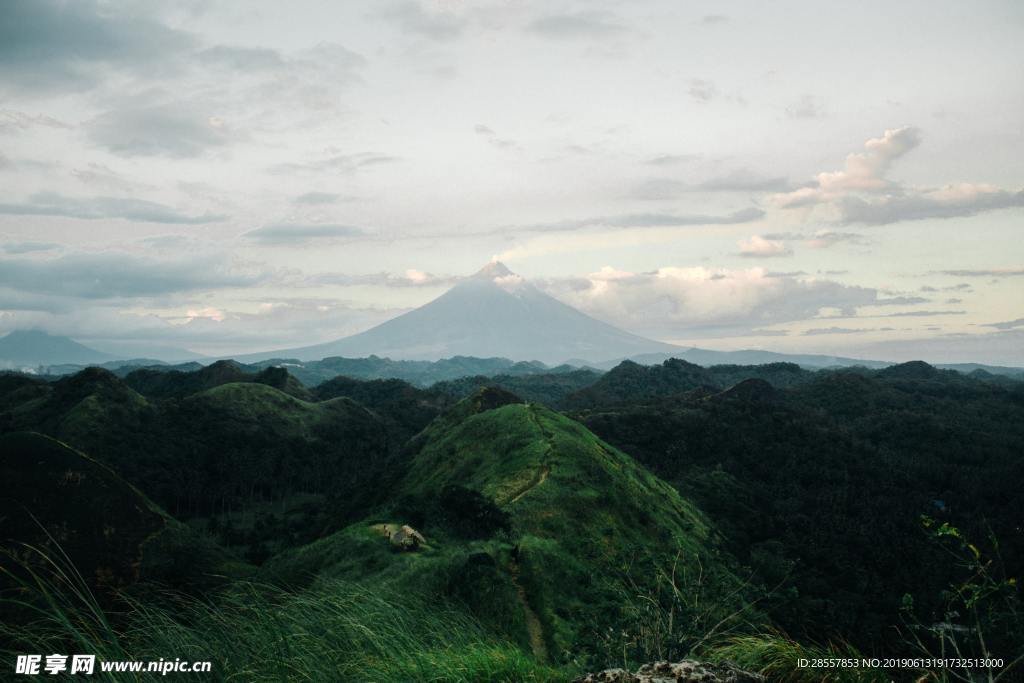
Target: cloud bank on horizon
[[232, 177]]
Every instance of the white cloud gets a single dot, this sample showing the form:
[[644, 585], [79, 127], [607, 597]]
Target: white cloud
[[864, 171], [758, 246], [672, 300], [861, 192], [964, 199]]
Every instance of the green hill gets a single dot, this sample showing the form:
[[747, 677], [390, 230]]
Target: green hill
[[260, 468], [543, 530], [551, 389], [162, 383], [630, 382], [408, 409]]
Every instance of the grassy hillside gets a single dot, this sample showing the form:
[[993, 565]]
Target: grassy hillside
[[545, 531]]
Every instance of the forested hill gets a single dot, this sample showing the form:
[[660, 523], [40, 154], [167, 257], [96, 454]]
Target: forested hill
[[822, 486]]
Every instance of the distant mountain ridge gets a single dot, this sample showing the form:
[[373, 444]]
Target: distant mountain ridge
[[493, 322], [35, 348]]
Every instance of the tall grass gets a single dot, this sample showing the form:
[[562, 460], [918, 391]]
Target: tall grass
[[47, 608], [336, 631], [777, 657]]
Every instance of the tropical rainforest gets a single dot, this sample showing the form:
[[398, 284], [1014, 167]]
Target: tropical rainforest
[[507, 522]]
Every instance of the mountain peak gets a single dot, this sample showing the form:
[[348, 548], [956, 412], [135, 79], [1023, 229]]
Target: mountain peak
[[493, 313], [492, 270], [37, 347], [29, 335]]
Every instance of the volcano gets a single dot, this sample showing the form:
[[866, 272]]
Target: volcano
[[493, 313]]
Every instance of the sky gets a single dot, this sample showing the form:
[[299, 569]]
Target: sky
[[228, 177]]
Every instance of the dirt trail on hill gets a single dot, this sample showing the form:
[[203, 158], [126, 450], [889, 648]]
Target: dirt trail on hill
[[533, 625], [538, 478], [541, 475]]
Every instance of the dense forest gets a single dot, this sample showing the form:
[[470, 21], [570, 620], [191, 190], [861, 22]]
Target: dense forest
[[563, 512]]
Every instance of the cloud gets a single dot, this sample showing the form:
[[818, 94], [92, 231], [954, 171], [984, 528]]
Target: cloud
[[435, 24], [1007, 325], [658, 189], [411, 278], [713, 19], [101, 176], [702, 90], [646, 220], [241, 58], [758, 247], [50, 44], [745, 180], [28, 247], [739, 180], [302, 68], [283, 234], [121, 275], [862, 194], [840, 330], [8, 164], [177, 130], [951, 201], [492, 137], [986, 272], [337, 163], [97, 208], [922, 314], [11, 120], [317, 198], [902, 301], [280, 91], [577, 25], [864, 171], [822, 239], [671, 159], [807, 107], [672, 301]]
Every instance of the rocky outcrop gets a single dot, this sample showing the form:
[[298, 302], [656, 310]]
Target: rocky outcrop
[[405, 537], [685, 671]]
